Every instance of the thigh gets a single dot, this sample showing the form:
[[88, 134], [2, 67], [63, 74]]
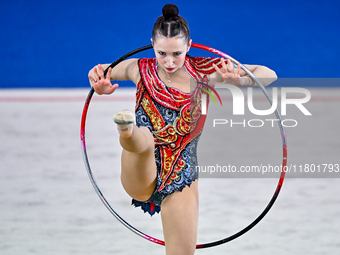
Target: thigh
[[180, 219], [139, 172]]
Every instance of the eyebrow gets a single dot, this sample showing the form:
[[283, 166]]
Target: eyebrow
[[178, 51]]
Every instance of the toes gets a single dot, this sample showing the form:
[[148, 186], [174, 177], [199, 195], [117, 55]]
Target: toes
[[124, 117]]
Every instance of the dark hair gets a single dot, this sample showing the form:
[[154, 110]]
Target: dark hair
[[170, 24]]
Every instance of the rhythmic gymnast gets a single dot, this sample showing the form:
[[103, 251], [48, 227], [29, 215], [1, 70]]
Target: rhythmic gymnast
[[159, 141]]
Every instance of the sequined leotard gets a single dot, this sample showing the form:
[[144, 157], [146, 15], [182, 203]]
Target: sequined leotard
[[174, 118]]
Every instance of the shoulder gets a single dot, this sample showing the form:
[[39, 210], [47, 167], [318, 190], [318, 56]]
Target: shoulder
[[205, 64], [146, 62], [147, 67]]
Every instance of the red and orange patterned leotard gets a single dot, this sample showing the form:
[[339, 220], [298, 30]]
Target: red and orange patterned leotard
[[174, 118]]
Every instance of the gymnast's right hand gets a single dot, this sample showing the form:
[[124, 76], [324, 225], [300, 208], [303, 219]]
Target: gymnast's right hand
[[102, 85]]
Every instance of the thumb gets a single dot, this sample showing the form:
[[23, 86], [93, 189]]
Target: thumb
[[113, 88]]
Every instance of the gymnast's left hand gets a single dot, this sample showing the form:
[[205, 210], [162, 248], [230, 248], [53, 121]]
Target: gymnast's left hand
[[230, 74]]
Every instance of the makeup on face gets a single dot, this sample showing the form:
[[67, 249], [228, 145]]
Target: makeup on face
[[170, 53]]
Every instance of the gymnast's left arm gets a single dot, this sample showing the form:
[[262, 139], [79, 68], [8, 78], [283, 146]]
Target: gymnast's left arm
[[232, 74]]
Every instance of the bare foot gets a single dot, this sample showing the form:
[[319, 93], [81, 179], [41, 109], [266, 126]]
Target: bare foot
[[124, 120]]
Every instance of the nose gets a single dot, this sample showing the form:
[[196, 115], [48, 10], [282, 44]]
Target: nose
[[169, 61]]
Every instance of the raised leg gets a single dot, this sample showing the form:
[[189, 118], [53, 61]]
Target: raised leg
[[139, 171], [179, 210]]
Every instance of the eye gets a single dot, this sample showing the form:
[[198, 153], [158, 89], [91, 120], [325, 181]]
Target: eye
[[177, 54], [161, 53]]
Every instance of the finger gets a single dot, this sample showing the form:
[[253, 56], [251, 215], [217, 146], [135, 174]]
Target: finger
[[93, 82], [224, 65], [91, 78], [238, 69], [113, 88], [230, 66], [96, 76], [108, 74], [101, 71], [218, 70]]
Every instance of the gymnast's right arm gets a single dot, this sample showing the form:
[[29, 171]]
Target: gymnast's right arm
[[126, 70]]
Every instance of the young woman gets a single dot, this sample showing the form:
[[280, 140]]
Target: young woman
[[159, 151]]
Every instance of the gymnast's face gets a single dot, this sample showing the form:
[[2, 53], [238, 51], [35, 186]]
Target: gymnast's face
[[170, 52]]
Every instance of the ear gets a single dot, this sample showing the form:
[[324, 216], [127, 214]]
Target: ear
[[189, 45], [151, 41]]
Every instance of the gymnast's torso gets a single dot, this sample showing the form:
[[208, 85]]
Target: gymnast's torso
[[176, 123]]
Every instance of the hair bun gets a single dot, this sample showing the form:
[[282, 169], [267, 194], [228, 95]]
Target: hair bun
[[170, 11]]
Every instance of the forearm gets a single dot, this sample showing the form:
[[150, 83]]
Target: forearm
[[116, 75], [263, 73], [230, 74], [125, 70]]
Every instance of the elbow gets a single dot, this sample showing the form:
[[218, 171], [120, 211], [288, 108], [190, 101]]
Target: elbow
[[270, 77], [274, 75]]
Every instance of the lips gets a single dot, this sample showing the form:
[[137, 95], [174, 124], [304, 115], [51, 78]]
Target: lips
[[170, 69]]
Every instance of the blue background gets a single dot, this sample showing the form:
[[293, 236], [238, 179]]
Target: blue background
[[54, 44]]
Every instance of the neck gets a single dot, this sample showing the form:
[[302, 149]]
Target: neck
[[169, 76]]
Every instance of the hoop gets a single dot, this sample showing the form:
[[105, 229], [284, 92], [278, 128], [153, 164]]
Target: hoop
[[150, 238]]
